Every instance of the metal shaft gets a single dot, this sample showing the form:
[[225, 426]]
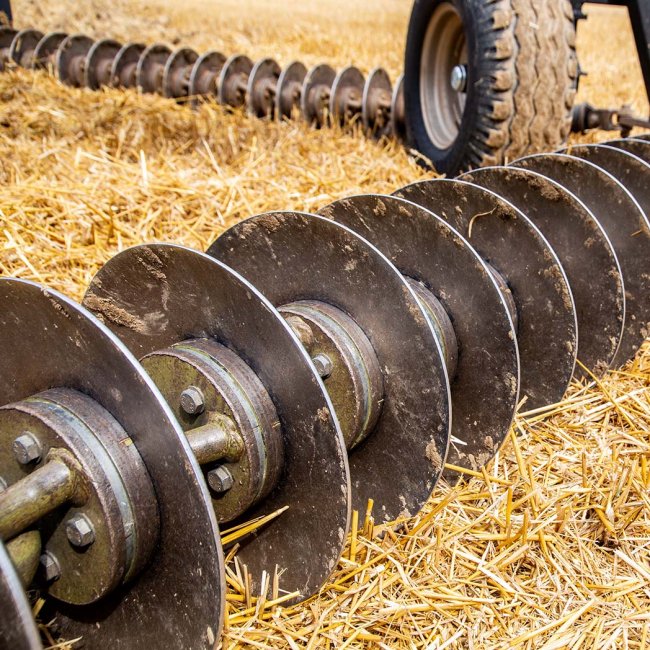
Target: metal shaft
[[26, 501], [214, 441]]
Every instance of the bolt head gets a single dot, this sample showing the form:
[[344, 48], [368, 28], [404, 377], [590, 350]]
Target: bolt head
[[27, 448], [324, 365], [80, 531], [220, 479], [50, 566], [193, 401], [458, 78]]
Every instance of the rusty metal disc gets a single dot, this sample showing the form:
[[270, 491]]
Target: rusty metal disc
[[45, 52], [18, 630], [23, 47], [177, 73], [635, 146], [151, 67], [125, 65], [289, 88], [262, 86], [194, 295], [99, 63], [514, 246], [205, 74], [584, 250], [233, 80], [397, 111], [625, 224], [376, 102], [346, 94], [643, 136], [485, 386], [71, 59], [291, 256], [315, 94], [185, 575]]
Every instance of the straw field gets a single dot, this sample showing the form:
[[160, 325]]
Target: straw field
[[549, 547]]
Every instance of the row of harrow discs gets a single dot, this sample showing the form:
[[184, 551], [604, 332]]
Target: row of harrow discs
[[320, 95], [307, 363]]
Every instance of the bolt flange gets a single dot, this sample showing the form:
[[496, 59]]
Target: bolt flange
[[50, 566], [27, 448], [193, 401], [220, 479], [80, 531]]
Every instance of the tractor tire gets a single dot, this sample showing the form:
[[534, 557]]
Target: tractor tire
[[488, 81]]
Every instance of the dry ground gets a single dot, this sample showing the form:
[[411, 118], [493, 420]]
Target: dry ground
[[550, 547]]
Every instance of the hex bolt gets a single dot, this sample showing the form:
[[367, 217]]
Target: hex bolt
[[458, 78], [220, 479], [193, 401], [27, 448], [80, 531], [324, 365], [51, 567]]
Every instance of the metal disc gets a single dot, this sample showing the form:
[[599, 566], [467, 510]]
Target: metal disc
[[259, 98], [239, 66], [193, 295], [7, 35], [627, 168], [23, 46], [348, 86], [178, 69], [397, 113], [639, 148], [377, 89], [185, 576], [99, 63], [73, 47], [643, 136], [625, 224], [292, 256], [313, 108], [150, 69], [18, 630], [205, 74], [485, 387], [584, 250], [285, 101], [45, 52], [508, 240], [125, 65]]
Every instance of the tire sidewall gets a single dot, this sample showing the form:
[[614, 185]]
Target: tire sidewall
[[473, 13]]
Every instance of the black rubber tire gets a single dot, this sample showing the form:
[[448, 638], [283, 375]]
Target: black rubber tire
[[5, 12], [522, 79]]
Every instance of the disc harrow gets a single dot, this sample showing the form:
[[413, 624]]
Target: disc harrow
[[320, 96], [306, 364]]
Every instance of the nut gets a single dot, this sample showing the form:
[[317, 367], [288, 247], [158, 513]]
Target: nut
[[50, 566], [27, 448], [192, 401], [220, 479], [80, 531], [323, 365]]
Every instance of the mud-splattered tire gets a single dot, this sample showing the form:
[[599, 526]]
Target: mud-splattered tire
[[515, 72]]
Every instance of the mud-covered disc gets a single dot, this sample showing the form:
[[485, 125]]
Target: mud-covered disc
[[377, 97], [45, 52], [315, 95], [262, 86], [289, 87], [18, 630], [584, 250], [71, 59], [635, 146], [292, 256], [23, 47], [233, 80], [346, 94], [151, 66], [626, 226], [125, 65], [178, 69], [185, 575], [157, 295], [99, 63], [485, 386], [204, 77], [397, 110], [505, 238]]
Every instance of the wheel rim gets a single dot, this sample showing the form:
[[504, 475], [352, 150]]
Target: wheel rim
[[444, 48]]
